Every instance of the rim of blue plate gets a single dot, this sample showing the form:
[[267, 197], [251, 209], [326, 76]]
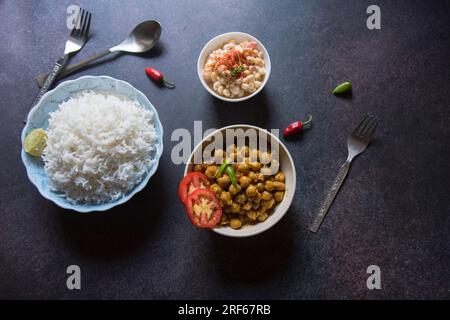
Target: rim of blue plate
[[61, 201]]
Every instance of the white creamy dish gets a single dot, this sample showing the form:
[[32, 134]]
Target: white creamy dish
[[235, 70], [99, 147]]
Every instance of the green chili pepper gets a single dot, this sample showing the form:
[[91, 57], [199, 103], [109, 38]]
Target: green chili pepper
[[236, 71], [230, 171], [224, 164], [343, 87]]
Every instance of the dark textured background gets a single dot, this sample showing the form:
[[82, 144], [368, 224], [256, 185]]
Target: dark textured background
[[393, 210]]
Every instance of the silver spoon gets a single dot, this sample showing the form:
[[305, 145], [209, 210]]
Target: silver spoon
[[143, 37]]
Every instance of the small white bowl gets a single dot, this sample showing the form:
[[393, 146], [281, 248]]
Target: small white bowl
[[216, 43], [286, 165]]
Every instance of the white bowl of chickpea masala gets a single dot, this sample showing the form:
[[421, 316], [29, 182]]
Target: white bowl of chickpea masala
[[235, 186], [234, 66]]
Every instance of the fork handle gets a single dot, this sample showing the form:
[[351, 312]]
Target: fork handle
[[330, 196], [73, 67], [53, 75]]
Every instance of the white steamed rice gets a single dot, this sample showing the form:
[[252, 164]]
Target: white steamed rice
[[99, 147]]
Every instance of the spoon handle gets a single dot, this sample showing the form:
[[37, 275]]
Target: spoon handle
[[73, 67]]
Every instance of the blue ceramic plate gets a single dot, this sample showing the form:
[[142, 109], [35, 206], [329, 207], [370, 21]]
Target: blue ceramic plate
[[38, 118]]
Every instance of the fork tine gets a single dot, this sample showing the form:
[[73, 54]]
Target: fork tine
[[82, 22], [367, 125], [76, 24], [371, 129], [369, 120], [79, 19], [76, 28], [85, 31], [360, 126]]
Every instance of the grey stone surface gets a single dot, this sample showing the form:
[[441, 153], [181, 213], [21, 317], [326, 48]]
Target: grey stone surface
[[393, 210]]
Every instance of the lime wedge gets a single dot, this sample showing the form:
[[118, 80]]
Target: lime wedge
[[35, 142]]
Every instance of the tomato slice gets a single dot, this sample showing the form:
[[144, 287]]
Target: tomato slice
[[191, 182], [203, 208]]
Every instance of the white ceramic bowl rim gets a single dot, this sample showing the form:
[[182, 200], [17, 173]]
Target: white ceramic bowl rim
[[266, 225], [204, 52], [103, 206]]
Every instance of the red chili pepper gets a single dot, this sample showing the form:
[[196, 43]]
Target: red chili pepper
[[158, 76], [296, 126]]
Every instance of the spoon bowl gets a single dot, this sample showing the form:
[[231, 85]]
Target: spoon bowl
[[142, 38]]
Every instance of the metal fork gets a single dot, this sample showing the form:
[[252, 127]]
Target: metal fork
[[77, 38], [356, 144]]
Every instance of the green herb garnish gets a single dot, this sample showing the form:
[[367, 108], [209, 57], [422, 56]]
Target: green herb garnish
[[236, 71]]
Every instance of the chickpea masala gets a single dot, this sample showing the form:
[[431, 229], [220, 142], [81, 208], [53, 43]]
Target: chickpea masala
[[247, 191]]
